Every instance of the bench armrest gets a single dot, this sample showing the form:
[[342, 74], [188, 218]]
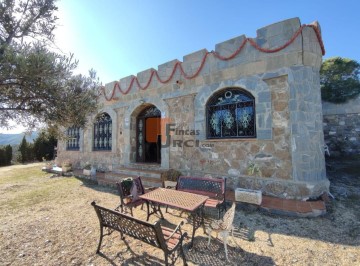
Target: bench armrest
[[178, 228]]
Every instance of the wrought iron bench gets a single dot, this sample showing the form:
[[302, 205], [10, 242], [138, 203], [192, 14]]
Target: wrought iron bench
[[214, 188], [167, 239]]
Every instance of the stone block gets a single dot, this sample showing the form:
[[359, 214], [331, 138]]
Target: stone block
[[261, 108], [165, 70], [228, 47], [144, 76], [311, 59], [125, 84], [293, 105], [275, 62], [276, 188], [248, 196], [264, 134], [264, 97], [192, 62], [311, 43], [279, 28], [109, 87], [195, 56]]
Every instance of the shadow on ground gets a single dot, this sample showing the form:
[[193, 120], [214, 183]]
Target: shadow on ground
[[200, 254]]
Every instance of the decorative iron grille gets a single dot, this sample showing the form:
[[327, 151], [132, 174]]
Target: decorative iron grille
[[151, 112], [73, 137], [102, 133], [231, 114]]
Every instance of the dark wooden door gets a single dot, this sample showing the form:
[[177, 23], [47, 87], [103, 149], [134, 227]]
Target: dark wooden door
[[148, 138]]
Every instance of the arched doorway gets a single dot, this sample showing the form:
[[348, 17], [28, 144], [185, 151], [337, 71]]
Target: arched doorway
[[148, 138]]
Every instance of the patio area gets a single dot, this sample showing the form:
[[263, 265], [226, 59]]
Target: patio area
[[49, 221]]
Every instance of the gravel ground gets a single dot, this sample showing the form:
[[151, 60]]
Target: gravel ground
[[49, 221]]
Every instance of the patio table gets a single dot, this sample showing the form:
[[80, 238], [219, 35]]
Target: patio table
[[190, 202]]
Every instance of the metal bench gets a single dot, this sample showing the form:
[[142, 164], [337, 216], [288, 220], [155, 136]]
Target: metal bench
[[214, 188], [167, 239]]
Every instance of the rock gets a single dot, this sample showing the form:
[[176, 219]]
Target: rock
[[233, 172]]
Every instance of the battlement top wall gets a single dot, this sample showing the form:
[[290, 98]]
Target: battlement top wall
[[282, 44]]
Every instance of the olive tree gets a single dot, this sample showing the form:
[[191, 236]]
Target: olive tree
[[37, 85]]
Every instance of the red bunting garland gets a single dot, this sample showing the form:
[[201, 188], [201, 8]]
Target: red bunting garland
[[216, 55]]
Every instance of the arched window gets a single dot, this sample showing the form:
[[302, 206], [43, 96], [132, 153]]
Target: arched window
[[73, 137], [230, 113], [102, 133]]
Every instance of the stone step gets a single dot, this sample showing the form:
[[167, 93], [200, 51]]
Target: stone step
[[141, 166], [139, 172], [111, 178], [106, 182]]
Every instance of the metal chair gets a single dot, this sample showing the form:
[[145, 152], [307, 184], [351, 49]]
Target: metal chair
[[223, 227], [129, 189], [169, 178]]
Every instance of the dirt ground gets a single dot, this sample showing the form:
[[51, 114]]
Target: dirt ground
[[49, 221]]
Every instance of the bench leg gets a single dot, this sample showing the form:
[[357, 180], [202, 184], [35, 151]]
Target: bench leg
[[183, 255], [166, 258], [148, 211], [101, 237], [209, 238]]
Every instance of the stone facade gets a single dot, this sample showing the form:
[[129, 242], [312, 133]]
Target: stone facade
[[287, 151], [342, 127]]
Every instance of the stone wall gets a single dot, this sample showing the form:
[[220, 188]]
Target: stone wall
[[342, 127], [288, 148]]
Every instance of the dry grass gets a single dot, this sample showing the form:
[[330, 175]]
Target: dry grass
[[49, 221]]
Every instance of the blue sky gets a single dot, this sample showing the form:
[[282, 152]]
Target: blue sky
[[119, 38]]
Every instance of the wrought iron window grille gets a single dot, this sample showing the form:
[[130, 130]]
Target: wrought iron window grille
[[73, 139], [230, 113], [102, 133]]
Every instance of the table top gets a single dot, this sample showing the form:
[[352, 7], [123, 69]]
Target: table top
[[175, 198]]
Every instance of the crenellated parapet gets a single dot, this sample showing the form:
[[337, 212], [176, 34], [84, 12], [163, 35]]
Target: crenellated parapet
[[283, 44]]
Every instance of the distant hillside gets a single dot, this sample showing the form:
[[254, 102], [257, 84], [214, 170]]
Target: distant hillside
[[15, 139]]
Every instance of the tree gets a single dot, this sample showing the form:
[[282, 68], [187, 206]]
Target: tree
[[339, 79], [5, 155], [44, 146], [23, 149], [8, 154], [36, 84], [2, 157]]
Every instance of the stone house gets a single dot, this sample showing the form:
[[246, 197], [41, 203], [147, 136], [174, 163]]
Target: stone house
[[250, 112]]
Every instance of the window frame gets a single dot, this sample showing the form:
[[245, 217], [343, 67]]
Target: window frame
[[226, 103], [75, 136], [105, 120]]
